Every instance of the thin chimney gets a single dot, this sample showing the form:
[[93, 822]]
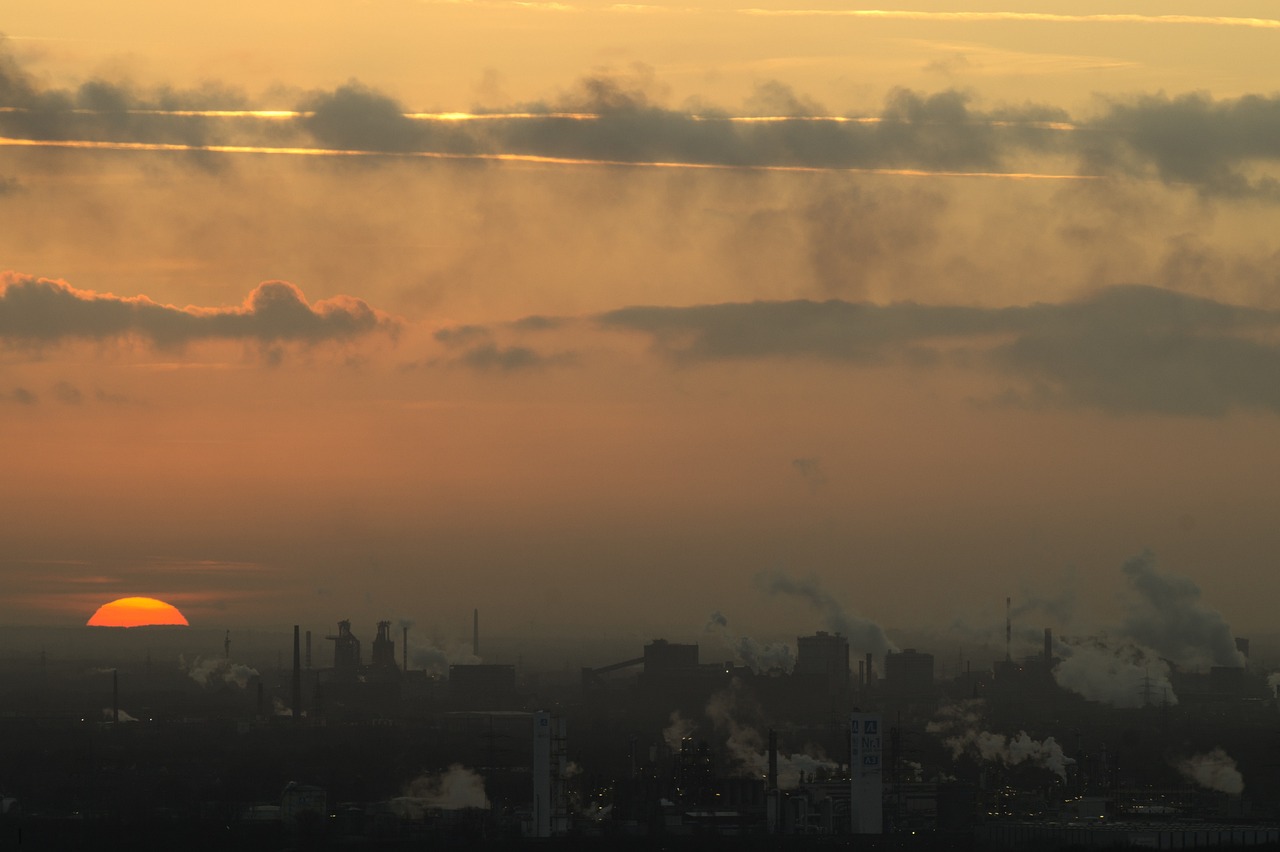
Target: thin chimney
[[297, 675], [404, 650], [475, 633], [115, 695], [1008, 630]]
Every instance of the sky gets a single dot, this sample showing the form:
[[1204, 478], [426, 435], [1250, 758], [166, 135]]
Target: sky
[[599, 316]]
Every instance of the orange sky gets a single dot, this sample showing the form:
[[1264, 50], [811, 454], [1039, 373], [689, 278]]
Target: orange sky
[[559, 368]]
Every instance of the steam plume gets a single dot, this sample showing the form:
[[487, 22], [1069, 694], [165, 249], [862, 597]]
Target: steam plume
[[760, 657], [217, 670], [1171, 618], [454, 789], [1122, 674], [746, 745], [862, 633], [958, 727], [1214, 771]]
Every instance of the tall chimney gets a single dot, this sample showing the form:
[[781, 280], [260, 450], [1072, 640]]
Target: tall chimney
[[262, 700], [773, 760], [115, 696], [862, 673], [1008, 630], [404, 650], [297, 676], [475, 633], [308, 650], [1048, 647], [871, 674]]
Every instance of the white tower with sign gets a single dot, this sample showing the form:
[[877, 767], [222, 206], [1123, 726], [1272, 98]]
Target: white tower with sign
[[865, 767]]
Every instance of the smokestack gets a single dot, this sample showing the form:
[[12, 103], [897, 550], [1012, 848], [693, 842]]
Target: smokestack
[[773, 760], [871, 672], [262, 701], [404, 650], [297, 676], [226, 646], [115, 696], [1008, 630], [1048, 648], [308, 650], [475, 633]]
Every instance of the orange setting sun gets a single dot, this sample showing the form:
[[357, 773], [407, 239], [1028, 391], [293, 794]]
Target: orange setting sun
[[136, 612]]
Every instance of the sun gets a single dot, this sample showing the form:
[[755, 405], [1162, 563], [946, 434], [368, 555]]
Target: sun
[[136, 612]]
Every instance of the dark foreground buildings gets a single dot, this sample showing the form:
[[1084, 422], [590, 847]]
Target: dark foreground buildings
[[838, 749]]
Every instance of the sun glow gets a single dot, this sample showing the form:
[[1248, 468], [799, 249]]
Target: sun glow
[[136, 612]]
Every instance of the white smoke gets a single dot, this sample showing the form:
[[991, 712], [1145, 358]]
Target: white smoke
[[217, 670], [1170, 617], [454, 789], [958, 727], [760, 657], [861, 632], [679, 730], [1121, 674], [1273, 682], [436, 656], [1214, 771], [748, 748]]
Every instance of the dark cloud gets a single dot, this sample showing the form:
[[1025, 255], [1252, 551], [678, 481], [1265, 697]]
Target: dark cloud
[[355, 117], [107, 111], [37, 310], [67, 393], [461, 335], [1194, 139], [20, 396], [1214, 146], [490, 356], [1125, 349]]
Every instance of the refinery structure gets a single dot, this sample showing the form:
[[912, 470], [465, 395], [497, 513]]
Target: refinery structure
[[365, 742]]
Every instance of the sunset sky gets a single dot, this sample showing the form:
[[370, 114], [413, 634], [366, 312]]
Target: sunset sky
[[595, 316]]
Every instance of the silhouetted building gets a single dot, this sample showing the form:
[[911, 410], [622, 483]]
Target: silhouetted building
[[824, 656], [908, 672], [489, 687], [346, 651], [384, 648], [663, 657]]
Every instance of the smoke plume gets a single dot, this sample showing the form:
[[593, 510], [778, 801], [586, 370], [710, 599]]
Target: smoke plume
[[1121, 674], [760, 657], [747, 746], [861, 632], [216, 670], [958, 727], [1171, 618], [1214, 771], [454, 789], [676, 732]]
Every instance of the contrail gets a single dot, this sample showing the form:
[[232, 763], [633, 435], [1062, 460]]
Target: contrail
[[535, 159], [289, 114], [1034, 17]]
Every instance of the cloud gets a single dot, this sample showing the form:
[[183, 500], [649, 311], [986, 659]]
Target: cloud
[[19, 396], [41, 310], [1212, 145], [1122, 349], [1194, 139]]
